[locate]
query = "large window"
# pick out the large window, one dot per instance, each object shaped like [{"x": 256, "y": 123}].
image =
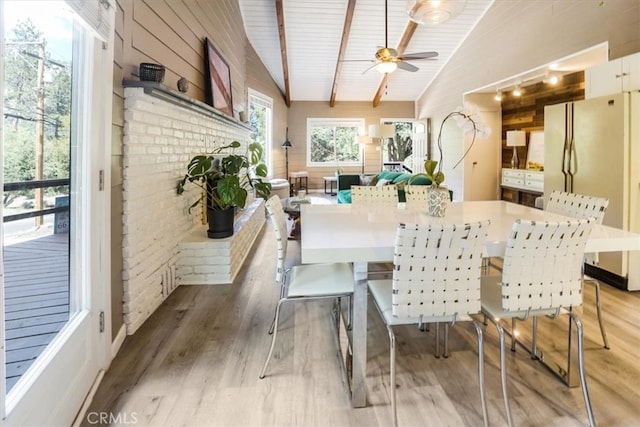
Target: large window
[
  {"x": 400, "y": 147},
  {"x": 260, "y": 118},
  {"x": 333, "y": 142}
]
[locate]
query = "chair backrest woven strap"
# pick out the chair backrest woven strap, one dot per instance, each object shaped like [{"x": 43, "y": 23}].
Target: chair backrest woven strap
[
  {"x": 416, "y": 195},
  {"x": 542, "y": 265},
  {"x": 577, "y": 205},
  {"x": 372, "y": 195},
  {"x": 276, "y": 214},
  {"x": 581, "y": 207},
  {"x": 437, "y": 269}
]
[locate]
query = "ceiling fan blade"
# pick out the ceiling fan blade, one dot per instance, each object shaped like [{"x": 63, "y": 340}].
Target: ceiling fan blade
[
  {"x": 406, "y": 66},
  {"x": 420, "y": 55},
  {"x": 357, "y": 60},
  {"x": 370, "y": 68}
]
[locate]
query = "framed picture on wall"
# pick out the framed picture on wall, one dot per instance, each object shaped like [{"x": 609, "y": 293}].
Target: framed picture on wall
[{"x": 219, "y": 80}]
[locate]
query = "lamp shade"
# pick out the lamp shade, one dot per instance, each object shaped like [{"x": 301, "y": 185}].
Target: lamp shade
[
  {"x": 287, "y": 143},
  {"x": 387, "y": 131},
  {"x": 516, "y": 138}
]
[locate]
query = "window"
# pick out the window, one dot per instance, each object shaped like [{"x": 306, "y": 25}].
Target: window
[
  {"x": 261, "y": 119},
  {"x": 400, "y": 148},
  {"x": 333, "y": 142}
]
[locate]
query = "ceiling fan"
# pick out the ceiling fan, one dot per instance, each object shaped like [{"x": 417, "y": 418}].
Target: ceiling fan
[{"x": 387, "y": 58}]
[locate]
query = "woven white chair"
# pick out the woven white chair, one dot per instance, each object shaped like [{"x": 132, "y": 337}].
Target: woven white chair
[
  {"x": 373, "y": 195},
  {"x": 416, "y": 195},
  {"x": 583, "y": 207},
  {"x": 436, "y": 278},
  {"x": 303, "y": 282},
  {"x": 541, "y": 274}
]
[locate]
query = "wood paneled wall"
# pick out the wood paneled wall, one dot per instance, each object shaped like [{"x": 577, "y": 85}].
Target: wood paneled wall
[
  {"x": 526, "y": 112},
  {"x": 172, "y": 33},
  {"x": 300, "y": 111}
]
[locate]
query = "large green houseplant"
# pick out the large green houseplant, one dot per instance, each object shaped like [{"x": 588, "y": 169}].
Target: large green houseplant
[{"x": 225, "y": 178}]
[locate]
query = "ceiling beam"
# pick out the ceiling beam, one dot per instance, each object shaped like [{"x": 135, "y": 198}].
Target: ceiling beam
[
  {"x": 283, "y": 52},
  {"x": 402, "y": 46},
  {"x": 346, "y": 30}
]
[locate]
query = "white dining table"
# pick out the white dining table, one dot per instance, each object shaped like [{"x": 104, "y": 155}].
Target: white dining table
[{"x": 366, "y": 234}]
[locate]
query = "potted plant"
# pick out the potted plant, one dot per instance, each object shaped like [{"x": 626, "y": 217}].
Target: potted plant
[
  {"x": 224, "y": 178},
  {"x": 438, "y": 195}
]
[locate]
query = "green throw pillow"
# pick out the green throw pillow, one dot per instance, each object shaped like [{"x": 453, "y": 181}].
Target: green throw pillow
[
  {"x": 388, "y": 175},
  {"x": 421, "y": 180},
  {"x": 404, "y": 177}
]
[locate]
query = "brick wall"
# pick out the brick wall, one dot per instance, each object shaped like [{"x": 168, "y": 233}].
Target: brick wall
[{"x": 160, "y": 138}]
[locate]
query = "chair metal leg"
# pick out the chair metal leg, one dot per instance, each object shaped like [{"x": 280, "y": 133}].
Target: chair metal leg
[
  {"x": 273, "y": 337},
  {"x": 437, "y": 340},
  {"x": 503, "y": 373},
  {"x": 513, "y": 334},
  {"x": 483, "y": 401},
  {"x": 446, "y": 340},
  {"x": 534, "y": 337},
  {"x": 392, "y": 381},
  {"x": 583, "y": 377},
  {"x": 273, "y": 322},
  {"x": 599, "y": 312}
]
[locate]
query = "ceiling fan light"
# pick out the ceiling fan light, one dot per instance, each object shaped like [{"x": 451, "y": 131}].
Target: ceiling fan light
[
  {"x": 433, "y": 11},
  {"x": 386, "y": 67}
]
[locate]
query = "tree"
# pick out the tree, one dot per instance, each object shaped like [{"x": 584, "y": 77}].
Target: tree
[{"x": 21, "y": 85}]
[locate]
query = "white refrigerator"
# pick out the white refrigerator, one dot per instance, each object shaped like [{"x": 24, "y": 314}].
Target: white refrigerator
[{"x": 592, "y": 147}]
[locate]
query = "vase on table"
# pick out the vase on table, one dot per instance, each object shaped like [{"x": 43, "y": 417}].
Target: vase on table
[{"x": 437, "y": 200}]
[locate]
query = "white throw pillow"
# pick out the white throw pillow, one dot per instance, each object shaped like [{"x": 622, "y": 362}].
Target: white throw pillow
[{"x": 382, "y": 182}]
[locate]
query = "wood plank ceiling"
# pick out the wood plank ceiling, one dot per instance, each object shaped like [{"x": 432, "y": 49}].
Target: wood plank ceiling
[{"x": 317, "y": 51}]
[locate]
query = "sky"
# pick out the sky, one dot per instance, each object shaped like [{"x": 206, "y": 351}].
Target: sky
[{"x": 51, "y": 17}]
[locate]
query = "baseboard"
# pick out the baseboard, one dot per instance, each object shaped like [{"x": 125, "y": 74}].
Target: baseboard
[
  {"x": 118, "y": 340},
  {"x": 80, "y": 418},
  {"x": 605, "y": 276}
]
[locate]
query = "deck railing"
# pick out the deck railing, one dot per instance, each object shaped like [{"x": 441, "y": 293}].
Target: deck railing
[{"x": 31, "y": 185}]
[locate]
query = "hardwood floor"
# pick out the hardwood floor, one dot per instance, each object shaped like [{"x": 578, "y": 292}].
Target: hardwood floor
[{"x": 196, "y": 362}]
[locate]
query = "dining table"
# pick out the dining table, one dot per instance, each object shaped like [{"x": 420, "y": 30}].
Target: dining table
[{"x": 365, "y": 234}]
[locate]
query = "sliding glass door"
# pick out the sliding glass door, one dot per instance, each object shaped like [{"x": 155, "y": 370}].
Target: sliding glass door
[{"x": 53, "y": 287}]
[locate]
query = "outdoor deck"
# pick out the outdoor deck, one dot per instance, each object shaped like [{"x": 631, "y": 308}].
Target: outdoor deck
[{"x": 36, "y": 298}]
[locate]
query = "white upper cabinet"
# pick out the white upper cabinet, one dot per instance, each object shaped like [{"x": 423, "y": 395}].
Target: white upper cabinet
[{"x": 619, "y": 75}]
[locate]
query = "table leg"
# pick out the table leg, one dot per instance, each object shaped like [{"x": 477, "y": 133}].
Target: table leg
[{"x": 359, "y": 336}]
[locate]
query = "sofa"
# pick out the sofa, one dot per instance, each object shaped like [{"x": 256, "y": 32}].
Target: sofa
[{"x": 399, "y": 178}]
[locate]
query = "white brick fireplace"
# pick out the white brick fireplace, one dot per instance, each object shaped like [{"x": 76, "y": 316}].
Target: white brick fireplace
[{"x": 163, "y": 131}]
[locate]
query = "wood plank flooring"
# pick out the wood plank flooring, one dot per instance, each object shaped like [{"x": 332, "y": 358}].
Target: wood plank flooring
[
  {"x": 196, "y": 362},
  {"x": 36, "y": 288}
]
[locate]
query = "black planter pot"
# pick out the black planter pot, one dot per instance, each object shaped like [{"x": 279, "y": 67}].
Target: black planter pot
[{"x": 220, "y": 223}]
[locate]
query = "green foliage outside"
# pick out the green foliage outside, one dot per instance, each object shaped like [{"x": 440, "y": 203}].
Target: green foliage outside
[
  {"x": 258, "y": 121},
  {"x": 400, "y": 148},
  {"x": 21, "y": 115},
  {"x": 334, "y": 144}
]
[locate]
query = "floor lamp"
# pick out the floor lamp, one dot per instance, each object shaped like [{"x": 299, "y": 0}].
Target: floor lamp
[
  {"x": 286, "y": 145},
  {"x": 382, "y": 132},
  {"x": 362, "y": 141}
]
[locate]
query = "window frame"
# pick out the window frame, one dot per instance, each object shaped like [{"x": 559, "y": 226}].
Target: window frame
[
  {"x": 358, "y": 123},
  {"x": 253, "y": 96}
]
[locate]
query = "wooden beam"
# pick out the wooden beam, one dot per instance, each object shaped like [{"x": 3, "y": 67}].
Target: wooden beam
[
  {"x": 283, "y": 52},
  {"x": 402, "y": 46},
  {"x": 346, "y": 30}
]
